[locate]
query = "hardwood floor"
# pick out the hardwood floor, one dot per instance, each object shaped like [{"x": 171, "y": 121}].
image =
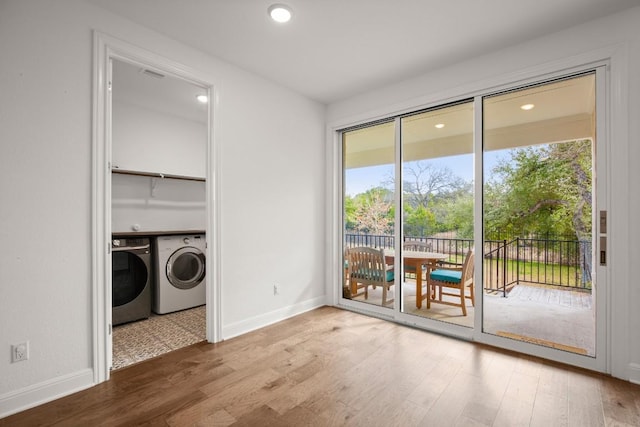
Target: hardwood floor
[{"x": 332, "y": 367}]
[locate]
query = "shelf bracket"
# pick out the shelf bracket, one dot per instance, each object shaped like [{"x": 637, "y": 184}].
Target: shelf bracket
[{"x": 154, "y": 184}]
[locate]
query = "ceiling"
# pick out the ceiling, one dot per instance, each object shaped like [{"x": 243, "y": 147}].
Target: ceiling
[
  {"x": 335, "y": 49},
  {"x": 560, "y": 111},
  {"x": 153, "y": 90}
]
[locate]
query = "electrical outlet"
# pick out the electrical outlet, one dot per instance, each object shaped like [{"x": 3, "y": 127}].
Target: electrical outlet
[{"x": 20, "y": 352}]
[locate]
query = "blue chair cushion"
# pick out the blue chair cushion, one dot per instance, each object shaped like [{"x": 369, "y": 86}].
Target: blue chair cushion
[
  {"x": 367, "y": 273},
  {"x": 446, "y": 276}
]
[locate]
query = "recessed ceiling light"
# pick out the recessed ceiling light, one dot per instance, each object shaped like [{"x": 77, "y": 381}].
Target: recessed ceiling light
[
  {"x": 202, "y": 99},
  {"x": 440, "y": 125},
  {"x": 527, "y": 107},
  {"x": 280, "y": 13}
]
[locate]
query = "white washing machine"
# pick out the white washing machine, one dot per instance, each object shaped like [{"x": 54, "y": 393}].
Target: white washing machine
[{"x": 180, "y": 263}]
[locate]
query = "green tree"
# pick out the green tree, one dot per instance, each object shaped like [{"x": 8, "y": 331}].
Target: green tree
[
  {"x": 460, "y": 214},
  {"x": 541, "y": 189},
  {"x": 349, "y": 213},
  {"x": 418, "y": 221}
]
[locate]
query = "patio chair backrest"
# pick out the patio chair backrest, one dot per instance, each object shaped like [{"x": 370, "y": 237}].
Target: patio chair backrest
[
  {"x": 366, "y": 265},
  {"x": 416, "y": 245},
  {"x": 467, "y": 268}
]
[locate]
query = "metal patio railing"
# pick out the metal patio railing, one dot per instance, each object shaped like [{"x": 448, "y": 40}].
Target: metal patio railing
[{"x": 564, "y": 263}]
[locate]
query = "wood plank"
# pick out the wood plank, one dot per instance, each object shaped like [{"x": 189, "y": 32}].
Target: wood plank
[
  {"x": 621, "y": 402},
  {"x": 585, "y": 401},
  {"x": 332, "y": 367}
]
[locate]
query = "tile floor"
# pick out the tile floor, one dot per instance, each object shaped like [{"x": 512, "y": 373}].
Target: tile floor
[{"x": 137, "y": 341}]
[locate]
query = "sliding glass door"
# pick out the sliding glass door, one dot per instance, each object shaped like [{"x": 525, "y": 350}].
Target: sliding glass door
[
  {"x": 368, "y": 216},
  {"x": 478, "y": 218},
  {"x": 539, "y": 200},
  {"x": 437, "y": 212}
]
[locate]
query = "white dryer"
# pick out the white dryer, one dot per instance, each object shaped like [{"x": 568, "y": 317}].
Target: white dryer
[{"x": 180, "y": 263}]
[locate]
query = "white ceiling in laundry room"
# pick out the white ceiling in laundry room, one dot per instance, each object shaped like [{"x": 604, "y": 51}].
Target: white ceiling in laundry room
[{"x": 151, "y": 89}]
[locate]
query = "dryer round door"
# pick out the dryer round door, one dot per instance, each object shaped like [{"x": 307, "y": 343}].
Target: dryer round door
[
  {"x": 129, "y": 277},
  {"x": 185, "y": 268}
]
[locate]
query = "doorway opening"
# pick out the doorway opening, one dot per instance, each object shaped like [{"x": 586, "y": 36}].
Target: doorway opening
[
  {"x": 153, "y": 177},
  {"x": 158, "y": 207}
]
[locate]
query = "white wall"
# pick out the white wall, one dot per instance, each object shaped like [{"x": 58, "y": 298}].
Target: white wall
[
  {"x": 148, "y": 140},
  {"x": 617, "y": 32},
  {"x": 155, "y": 204},
  {"x": 152, "y": 141},
  {"x": 271, "y": 193}
]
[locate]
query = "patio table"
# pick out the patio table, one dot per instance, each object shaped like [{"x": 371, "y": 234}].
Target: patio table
[{"x": 417, "y": 259}]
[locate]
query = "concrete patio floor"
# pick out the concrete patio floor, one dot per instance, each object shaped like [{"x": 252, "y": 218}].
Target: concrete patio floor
[{"x": 543, "y": 315}]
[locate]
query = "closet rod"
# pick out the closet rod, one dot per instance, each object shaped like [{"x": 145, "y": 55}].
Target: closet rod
[{"x": 157, "y": 175}]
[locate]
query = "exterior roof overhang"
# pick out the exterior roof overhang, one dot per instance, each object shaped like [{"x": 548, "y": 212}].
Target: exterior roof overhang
[{"x": 564, "y": 111}]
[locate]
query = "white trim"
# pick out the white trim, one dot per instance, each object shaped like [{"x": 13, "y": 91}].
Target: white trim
[
  {"x": 478, "y": 217},
  {"x": 634, "y": 373},
  {"x": 214, "y": 223},
  {"x": 107, "y": 48},
  {"x": 398, "y": 229},
  {"x": 615, "y": 57},
  {"x": 619, "y": 219},
  {"x": 266, "y": 319},
  {"x": 601, "y": 201},
  {"x": 100, "y": 316},
  {"x": 334, "y": 254},
  {"x": 37, "y": 394},
  {"x": 438, "y": 326},
  {"x": 481, "y": 87}
]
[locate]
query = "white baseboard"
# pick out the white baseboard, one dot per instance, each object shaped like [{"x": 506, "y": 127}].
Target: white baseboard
[
  {"x": 634, "y": 373},
  {"x": 257, "y": 322},
  {"x": 46, "y": 391}
]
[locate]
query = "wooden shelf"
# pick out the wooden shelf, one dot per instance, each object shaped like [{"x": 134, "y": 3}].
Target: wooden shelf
[{"x": 157, "y": 175}]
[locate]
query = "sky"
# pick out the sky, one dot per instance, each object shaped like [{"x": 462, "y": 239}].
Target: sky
[{"x": 359, "y": 180}]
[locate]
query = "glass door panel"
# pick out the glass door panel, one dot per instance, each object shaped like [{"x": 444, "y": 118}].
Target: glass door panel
[
  {"x": 437, "y": 214},
  {"x": 368, "y": 217},
  {"x": 539, "y": 198}
]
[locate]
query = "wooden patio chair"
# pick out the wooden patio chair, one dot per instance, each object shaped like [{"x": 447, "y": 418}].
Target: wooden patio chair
[
  {"x": 457, "y": 278},
  {"x": 367, "y": 268},
  {"x": 346, "y": 293},
  {"x": 416, "y": 245}
]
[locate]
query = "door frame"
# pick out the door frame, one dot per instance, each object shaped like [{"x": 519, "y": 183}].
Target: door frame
[
  {"x": 613, "y": 347},
  {"x": 106, "y": 49},
  {"x": 601, "y": 196}
]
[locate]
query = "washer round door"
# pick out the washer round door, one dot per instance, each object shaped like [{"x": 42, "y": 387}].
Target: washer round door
[
  {"x": 129, "y": 277},
  {"x": 185, "y": 268}
]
